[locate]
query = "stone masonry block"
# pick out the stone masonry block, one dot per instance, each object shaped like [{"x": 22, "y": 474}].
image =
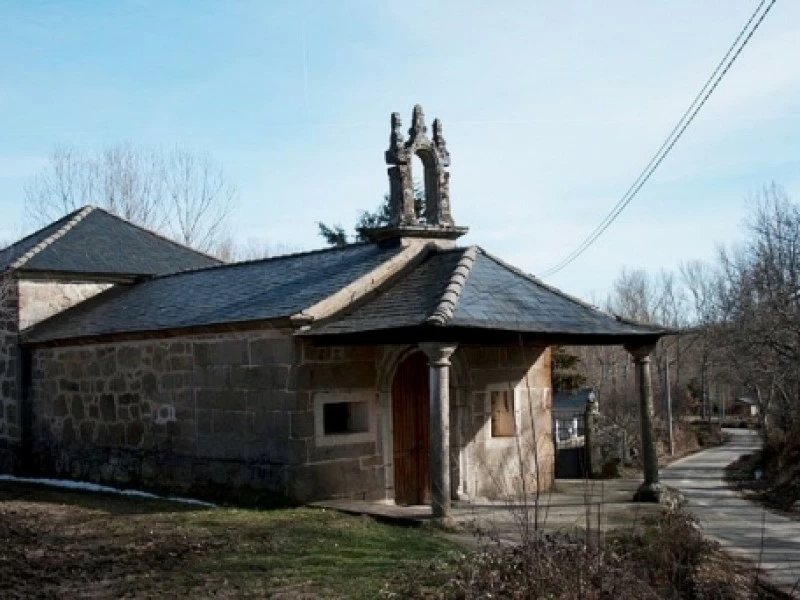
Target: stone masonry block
[
  {"x": 77, "y": 408},
  {"x": 339, "y": 478},
  {"x": 270, "y": 425},
  {"x": 108, "y": 408},
  {"x": 204, "y": 423},
  {"x": 221, "y": 352},
  {"x": 302, "y": 425},
  {"x": 232, "y": 423},
  {"x": 345, "y": 451},
  {"x": 212, "y": 377},
  {"x": 272, "y": 351},
  {"x": 60, "y": 406},
  {"x": 221, "y": 400},
  {"x": 129, "y": 357},
  {"x": 332, "y": 376}
]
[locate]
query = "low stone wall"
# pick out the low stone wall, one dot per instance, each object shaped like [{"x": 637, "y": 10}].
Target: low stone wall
[{"x": 174, "y": 413}]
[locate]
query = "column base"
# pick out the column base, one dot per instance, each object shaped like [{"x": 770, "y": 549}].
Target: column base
[
  {"x": 658, "y": 493},
  {"x": 447, "y": 523}
]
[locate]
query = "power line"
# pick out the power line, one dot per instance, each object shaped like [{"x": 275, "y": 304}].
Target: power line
[{"x": 683, "y": 123}]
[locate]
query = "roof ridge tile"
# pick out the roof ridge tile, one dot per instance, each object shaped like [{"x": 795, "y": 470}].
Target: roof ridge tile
[
  {"x": 48, "y": 241},
  {"x": 447, "y": 303}
]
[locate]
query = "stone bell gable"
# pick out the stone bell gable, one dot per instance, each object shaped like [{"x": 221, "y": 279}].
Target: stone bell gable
[{"x": 437, "y": 220}]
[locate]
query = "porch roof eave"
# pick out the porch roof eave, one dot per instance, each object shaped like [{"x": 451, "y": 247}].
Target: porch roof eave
[{"x": 486, "y": 336}]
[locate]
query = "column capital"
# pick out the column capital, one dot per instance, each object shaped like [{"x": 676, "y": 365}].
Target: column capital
[
  {"x": 438, "y": 354},
  {"x": 640, "y": 353}
]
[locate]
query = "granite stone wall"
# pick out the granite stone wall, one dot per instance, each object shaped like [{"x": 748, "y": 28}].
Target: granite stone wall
[
  {"x": 503, "y": 467},
  {"x": 246, "y": 409},
  {"x": 10, "y": 434},
  {"x": 175, "y": 413},
  {"x": 342, "y": 465}
]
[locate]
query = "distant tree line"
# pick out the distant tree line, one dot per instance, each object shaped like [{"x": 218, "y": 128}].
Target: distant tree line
[
  {"x": 737, "y": 320},
  {"x": 183, "y": 194}
]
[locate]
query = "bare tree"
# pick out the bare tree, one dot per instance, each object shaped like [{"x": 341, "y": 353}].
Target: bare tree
[
  {"x": 758, "y": 309},
  {"x": 200, "y": 198},
  {"x": 177, "y": 192},
  {"x": 231, "y": 250}
]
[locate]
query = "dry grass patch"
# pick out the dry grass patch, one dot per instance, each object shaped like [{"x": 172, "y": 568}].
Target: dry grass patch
[{"x": 62, "y": 544}]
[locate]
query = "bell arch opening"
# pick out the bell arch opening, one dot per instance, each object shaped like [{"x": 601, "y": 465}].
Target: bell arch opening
[{"x": 422, "y": 186}]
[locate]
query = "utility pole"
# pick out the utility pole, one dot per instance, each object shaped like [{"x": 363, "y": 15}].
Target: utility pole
[
  {"x": 703, "y": 394},
  {"x": 708, "y": 393},
  {"x": 668, "y": 401}
]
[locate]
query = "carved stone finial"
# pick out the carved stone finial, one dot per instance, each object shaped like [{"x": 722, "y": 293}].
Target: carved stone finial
[
  {"x": 397, "y": 132},
  {"x": 418, "y": 127},
  {"x": 439, "y": 143}
]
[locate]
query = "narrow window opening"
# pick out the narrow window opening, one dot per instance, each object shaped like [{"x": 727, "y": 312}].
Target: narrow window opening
[
  {"x": 503, "y": 421},
  {"x": 345, "y": 417},
  {"x": 419, "y": 173}
]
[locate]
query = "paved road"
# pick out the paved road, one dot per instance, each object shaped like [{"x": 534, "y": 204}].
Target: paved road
[{"x": 737, "y": 523}]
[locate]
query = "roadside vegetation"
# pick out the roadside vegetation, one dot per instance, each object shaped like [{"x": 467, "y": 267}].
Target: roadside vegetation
[
  {"x": 666, "y": 558},
  {"x": 777, "y": 488}
]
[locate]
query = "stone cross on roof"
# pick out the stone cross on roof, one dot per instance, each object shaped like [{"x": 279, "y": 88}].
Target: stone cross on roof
[{"x": 437, "y": 221}]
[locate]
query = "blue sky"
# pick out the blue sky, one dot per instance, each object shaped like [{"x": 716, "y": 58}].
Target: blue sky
[{"x": 549, "y": 111}]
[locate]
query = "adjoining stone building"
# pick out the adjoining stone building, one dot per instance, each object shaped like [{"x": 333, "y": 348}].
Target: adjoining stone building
[
  {"x": 69, "y": 261},
  {"x": 405, "y": 369}
]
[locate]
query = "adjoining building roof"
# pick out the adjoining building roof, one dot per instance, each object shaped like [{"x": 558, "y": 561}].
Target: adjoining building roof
[
  {"x": 571, "y": 402},
  {"x": 469, "y": 288},
  {"x": 93, "y": 241},
  {"x": 234, "y": 293}
]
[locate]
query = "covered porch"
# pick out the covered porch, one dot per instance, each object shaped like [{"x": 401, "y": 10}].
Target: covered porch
[{"x": 449, "y": 309}]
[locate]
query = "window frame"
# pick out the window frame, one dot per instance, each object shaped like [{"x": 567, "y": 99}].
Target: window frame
[
  {"x": 515, "y": 397},
  {"x": 337, "y": 439}
]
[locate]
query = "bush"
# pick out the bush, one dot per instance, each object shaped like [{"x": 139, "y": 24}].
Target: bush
[
  {"x": 667, "y": 558},
  {"x": 669, "y": 552}
]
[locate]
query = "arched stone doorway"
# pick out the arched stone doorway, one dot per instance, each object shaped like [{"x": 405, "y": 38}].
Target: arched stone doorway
[{"x": 411, "y": 431}]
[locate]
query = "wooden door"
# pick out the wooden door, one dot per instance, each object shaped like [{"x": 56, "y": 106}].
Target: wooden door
[{"x": 411, "y": 425}]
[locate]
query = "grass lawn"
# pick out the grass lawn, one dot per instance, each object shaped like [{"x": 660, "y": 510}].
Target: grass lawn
[{"x": 65, "y": 544}]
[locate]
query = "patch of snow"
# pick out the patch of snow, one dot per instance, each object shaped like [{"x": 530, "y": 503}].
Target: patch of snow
[{"x": 84, "y": 486}]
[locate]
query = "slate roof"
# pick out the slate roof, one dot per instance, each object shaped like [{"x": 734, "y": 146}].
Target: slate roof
[
  {"x": 463, "y": 288},
  {"x": 469, "y": 288},
  {"x": 240, "y": 292},
  {"x": 571, "y": 402},
  {"x": 93, "y": 241}
]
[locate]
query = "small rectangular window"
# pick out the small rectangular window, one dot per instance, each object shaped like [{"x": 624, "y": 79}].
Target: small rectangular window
[
  {"x": 345, "y": 417},
  {"x": 503, "y": 421}
]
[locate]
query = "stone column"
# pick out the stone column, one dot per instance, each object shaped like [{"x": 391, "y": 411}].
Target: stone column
[
  {"x": 650, "y": 490},
  {"x": 439, "y": 358}
]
